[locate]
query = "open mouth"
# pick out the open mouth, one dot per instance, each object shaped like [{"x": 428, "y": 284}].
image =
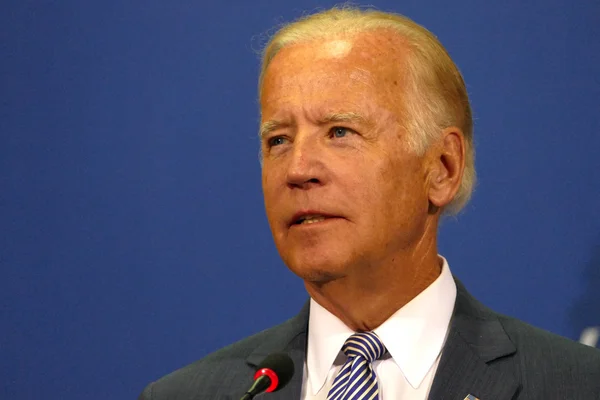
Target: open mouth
[{"x": 309, "y": 219}]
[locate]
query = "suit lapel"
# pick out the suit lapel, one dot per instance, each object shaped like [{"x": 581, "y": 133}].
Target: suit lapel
[
  {"x": 475, "y": 339},
  {"x": 291, "y": 340},
  {"x": 293, "y": 389}
]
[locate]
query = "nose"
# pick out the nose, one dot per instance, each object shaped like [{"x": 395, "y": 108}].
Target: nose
[{"x": 305, "y": 168}]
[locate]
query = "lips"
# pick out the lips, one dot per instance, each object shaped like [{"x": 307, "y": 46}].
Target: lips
[{"x": 309, "y": 217}]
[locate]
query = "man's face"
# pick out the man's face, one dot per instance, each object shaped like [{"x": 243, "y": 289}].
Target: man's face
[{"x": 342, "y": 190}]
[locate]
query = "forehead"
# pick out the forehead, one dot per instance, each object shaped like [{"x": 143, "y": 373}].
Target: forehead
[{"x": 366, "y": 67}]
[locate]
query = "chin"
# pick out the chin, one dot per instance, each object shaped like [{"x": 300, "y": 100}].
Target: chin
[
  {"x": 318, "y": 276},
  {"x": 317, "y": 271}
]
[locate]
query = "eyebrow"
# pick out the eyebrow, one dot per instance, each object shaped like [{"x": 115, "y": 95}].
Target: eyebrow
[
  {"x": 271, "y": 125},
  {"x": 342, "y": 117},
  {"x": 268, "y": 127}
]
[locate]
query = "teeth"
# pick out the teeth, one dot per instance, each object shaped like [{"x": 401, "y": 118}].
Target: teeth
[{"x": 312, "y": 219}]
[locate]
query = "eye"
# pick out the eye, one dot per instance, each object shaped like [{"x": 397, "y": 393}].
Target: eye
[
  {"x": 276, "y": 141},
  {"x": 339, "y": 131}
]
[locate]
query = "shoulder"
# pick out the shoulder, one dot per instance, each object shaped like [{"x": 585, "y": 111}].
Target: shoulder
[
  {"x": 217, "y": 372},
  {"x": 545, "y": 365},
  {"x": 549, "y": 365},
  {"x": 206, "y": 374},
  {"x": 555, "y": 351},
  {"x": 532, "y": 343}
]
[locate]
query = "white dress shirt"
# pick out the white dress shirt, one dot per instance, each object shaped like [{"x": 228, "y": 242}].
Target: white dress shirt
[{"x": 414, "y": 337}]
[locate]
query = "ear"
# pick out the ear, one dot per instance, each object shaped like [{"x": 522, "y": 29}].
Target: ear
[{"x": 447, "y": 166}]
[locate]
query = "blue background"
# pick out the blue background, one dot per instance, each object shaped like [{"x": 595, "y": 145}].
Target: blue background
[{"x": 132, "y": 232}]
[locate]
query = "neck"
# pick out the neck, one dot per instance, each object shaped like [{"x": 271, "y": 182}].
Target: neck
[{"x": 364, "y": 301}]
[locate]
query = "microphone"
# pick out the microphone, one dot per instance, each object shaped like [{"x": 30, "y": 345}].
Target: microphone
[{"x": 274, "y": 372}]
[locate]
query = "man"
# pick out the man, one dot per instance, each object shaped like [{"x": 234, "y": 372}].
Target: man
[{"x": 366, "y": 136}]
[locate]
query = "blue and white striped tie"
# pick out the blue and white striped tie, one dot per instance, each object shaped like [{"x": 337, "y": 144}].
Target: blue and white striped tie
[{"x": 357, "y": 380}]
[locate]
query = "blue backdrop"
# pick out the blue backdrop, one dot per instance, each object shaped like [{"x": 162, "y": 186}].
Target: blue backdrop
[{"x": 132, "y": 232}]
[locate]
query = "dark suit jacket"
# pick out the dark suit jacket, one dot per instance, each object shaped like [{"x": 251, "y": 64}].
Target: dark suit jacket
[{"x": 488, "y": 355}]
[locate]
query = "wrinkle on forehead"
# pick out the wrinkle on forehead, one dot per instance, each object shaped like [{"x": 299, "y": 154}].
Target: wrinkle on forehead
[
  {"x": 294, "y": 87},
  {"x": 371, "y": 63}
]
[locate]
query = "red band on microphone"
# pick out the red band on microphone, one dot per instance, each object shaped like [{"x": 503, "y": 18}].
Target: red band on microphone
[{"x": 268, "y": 372}]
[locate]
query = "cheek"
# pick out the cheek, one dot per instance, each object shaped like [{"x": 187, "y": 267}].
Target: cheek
[
  {"x": 273, "y": 195},
  {"x": 270, "y": 182},
  {"x": 399, "y": 187}
]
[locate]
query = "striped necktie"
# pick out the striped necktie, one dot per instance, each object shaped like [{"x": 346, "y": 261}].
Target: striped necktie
[{"x": 357, "y": 380}]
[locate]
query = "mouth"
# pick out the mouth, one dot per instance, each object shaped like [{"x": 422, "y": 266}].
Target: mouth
[{"x": 308, "y": 218}]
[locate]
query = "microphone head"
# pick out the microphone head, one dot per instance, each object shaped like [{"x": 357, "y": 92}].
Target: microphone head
[{"x": 281, "y": 365}]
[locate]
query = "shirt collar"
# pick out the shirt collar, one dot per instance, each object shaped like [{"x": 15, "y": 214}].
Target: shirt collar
[{"x": 414, "y": 335}]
